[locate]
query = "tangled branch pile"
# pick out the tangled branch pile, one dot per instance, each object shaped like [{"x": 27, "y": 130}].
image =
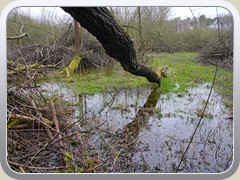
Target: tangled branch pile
[
  {"x": 41, "y": 133},
  {"x": 29, "y": 124},
  {"x": 40, "y": 129},
  {"x": 40, "y": 55},
  {"x": 219, "y": 53},
  {"x": 56, "y": 55}
]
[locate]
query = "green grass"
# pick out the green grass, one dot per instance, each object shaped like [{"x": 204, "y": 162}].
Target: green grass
[
  {"x": 182, "y": 71},
  {"x": 104, "y": 80}
]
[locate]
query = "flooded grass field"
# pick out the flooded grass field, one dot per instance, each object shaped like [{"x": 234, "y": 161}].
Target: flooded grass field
[
  {"x": 143, "y": 130},
  {"x": 109, "y": 121}
]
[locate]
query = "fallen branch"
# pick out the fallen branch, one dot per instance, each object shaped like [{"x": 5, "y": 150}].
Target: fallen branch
[
  {"x": 16, "y": 37},
  {"x": 74, "y": 64},
  {"x": 35, "y": 66},
  {"x": 21, "y": 117},
  {"x": 17, "y": 121},
  {"x": 55, "y": 120},
  {"x": 19, "y": 126}
]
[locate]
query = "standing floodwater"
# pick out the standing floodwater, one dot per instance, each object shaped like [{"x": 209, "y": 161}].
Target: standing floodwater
[{"x": 147, "y": 131}]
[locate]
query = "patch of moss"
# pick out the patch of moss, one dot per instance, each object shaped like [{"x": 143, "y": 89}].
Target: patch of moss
[{"x": 13, "y": 122}]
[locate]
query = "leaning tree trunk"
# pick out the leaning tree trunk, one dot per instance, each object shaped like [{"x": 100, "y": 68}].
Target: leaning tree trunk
[{"x": 100, "y": 23}]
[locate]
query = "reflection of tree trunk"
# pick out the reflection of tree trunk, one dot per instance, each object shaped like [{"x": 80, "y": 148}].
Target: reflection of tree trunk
[
  {"x": 85, "y": 104},
  {"x": 127, "y": 139},
  {"x": 142, "y": 117},
  {"x": 80, "y": 104},
  {"x": 117, "y": 44}
]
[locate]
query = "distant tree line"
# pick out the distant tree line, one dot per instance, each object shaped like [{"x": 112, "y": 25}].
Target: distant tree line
[
  {"x": 150, "y": 28},
  {"x": 153, "y": 30}
]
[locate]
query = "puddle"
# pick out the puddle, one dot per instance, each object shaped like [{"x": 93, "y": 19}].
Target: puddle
[{"x": 153, "y": 129}]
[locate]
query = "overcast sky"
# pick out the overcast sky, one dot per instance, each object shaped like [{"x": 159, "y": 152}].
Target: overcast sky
[
  {"x": 182, "y": 12},
  {"x": 185, "y": 12}
]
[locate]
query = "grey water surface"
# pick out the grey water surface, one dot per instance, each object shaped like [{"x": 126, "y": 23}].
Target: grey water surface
[{"x": 157, "y": 128}]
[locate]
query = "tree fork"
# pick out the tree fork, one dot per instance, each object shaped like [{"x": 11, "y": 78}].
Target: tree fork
[{"x": 100, "y": 22}]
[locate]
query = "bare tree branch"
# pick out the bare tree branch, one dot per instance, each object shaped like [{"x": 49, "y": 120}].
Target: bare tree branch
[{"x": 16, "y": 37}]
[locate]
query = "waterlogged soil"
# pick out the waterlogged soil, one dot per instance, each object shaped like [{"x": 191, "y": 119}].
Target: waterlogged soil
[{"x": 142, "y": 130}]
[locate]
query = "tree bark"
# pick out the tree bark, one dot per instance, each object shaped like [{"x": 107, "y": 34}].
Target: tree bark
[{"x": 100, "y": 23}]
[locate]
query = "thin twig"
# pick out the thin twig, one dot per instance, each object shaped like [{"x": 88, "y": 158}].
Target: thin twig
[
  {"x": 37, "y": 168},
  {"x": 200, "y": 120}
]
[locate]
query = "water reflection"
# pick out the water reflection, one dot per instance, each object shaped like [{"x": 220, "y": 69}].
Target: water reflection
[
  {"x": 150, "y": 130},
  {"x": 129, "y": 134},
  {"x": 144, "y": 113}
]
